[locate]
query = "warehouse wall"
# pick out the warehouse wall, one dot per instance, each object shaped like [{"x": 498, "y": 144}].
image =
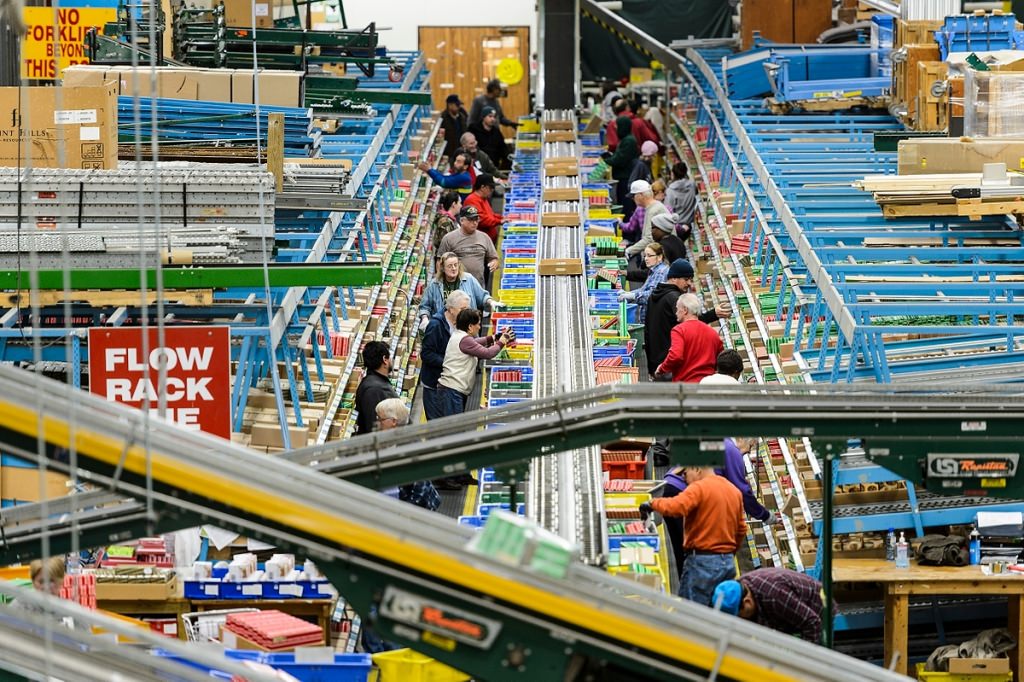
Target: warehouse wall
[{"x": 404, "y": 17}]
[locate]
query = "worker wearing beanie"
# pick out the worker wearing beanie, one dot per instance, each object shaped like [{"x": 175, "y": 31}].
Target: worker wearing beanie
[
  {"x": 642, "y": 166},
  {"x": 712, "y": 512},
  {"x": 778, "y": 598}
]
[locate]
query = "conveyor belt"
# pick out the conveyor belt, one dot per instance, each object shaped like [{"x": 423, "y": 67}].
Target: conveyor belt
[
  {"x": 397, "y": 558},
  {"x": 926, "y": 502}
]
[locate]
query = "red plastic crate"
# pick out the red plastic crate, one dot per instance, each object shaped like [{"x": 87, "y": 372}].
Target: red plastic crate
[{"x": 630, "y": 470}]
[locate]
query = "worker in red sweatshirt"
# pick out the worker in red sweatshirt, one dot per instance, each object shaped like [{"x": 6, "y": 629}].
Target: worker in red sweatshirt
[
  {"x": 480, "y": 198},
  {"x": 695, "y": 345}
]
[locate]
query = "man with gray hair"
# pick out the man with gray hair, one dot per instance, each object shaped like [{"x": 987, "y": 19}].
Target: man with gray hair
[
  {"x": 478, "y": 159},
  {"x": 391, "y": 414},
  {"x": 432, "y": 350},
  {"x": 695, "y": 345}
]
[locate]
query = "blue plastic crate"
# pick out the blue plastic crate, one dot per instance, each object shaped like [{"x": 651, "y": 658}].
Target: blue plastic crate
[
  {"x": 213, "y": 673},
  {"x": 615, "y": 541},
  {"x": 345, "y": 668},
  {"x": 472, "y": 521}
]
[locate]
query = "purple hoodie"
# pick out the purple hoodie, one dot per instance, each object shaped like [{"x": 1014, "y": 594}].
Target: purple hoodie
[
  {"x": 736, "y": 473},
  {"x": 632, "y": 229}
]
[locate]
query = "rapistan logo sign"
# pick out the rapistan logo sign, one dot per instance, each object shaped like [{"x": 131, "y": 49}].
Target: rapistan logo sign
[
  {"x": 198, "y": 369},
  {"x": 947, "y": 465},
  {"x": 427, "y": 614}
]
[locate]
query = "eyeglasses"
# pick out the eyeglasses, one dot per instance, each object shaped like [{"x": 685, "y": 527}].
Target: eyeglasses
[{"x": 650, "y": 255}]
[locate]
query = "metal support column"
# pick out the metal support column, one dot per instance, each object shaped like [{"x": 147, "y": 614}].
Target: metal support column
[
  {"x": 559, "y": 73},
  {"x": 828, "y": 474}
]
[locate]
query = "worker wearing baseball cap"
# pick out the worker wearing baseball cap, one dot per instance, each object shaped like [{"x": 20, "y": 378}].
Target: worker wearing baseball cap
[
  {"x": 643, "y": 195},
  {"x": 480, "y": 198},
  {"x": 778, "y": 598},
  {"x": 454, "y": 123}
]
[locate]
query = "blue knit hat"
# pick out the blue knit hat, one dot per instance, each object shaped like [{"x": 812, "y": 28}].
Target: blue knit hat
[{"x": 730, "y": 592}]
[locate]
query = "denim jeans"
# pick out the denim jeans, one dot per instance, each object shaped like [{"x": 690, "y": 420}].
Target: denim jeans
[
  {"x": 453, "y": 401},
  {"x": 702, "y": 573},
  {"x": 433, "y": 405}
]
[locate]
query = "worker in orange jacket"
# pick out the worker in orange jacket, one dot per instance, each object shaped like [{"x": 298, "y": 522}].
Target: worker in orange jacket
[{"x": 483, "y": 189}]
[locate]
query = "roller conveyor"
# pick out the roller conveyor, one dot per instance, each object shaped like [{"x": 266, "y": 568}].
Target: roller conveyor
[{"x": 398, "y": 558}]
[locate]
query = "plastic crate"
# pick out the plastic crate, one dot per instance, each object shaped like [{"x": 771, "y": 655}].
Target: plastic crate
[
  {"x": 406, "y": 665},
  {"x": 628, "y": 470},
  {"x": 959, "y": 677},
  {"x": 653, "y": 541},
  {"x": 345, "y": 668}
]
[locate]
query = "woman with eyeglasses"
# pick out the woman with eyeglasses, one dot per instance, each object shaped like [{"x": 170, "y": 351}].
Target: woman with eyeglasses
[
  {"x": 657, "y": 268},
  {"x": 451, "y": 275}
]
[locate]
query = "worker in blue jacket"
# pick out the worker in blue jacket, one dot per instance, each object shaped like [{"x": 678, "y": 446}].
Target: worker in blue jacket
[
  {"x": 435, "y": 343},
  {"x": 460, "y": 174}
]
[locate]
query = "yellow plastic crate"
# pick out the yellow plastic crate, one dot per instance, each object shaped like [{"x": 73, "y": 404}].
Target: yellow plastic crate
[
  {"x": 959, "y": 677},
  {"x": 623, "y": 500},
  {"x": 406, "y": 665}
]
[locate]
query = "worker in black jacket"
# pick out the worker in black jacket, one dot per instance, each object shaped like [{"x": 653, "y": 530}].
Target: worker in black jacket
[
  {"x": 375, "y": 386},
  {"x": 432, "y": 350},
  {"x": 661, "y": 312}
]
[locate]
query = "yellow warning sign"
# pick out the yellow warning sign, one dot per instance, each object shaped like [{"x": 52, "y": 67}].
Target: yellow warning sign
[{"x": 56, "y": 38}]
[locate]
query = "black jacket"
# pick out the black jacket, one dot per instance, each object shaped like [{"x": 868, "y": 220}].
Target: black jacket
[
  {"x": 373, "y": 389},
  {"x": 454, "y": 127},
  {"x": 492, "y": 143},
  {"x": 661, "y": 318},
  {"x": 432, "y": 350},
  {"x": 673, "y": 247}
]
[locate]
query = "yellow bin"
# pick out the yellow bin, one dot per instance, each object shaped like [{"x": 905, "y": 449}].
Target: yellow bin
[
  {"x": 959, "y": 677},
  {"x": 406, "y": 665}
]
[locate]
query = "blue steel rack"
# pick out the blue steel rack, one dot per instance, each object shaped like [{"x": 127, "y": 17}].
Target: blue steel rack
[
  {"x": 857, "y": 291},
  {"x": 267, "y": 334}
]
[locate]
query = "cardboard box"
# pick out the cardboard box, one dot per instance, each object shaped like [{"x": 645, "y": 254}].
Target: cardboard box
[
  {"x": 22, "y": 484},
  {"x": 560, "y": 219},
  {"x": 277, "y": 88},
  {"x": 270, "y": 435},
  {"x": 128, "y": 591},
  {"x": 238, "y": 13},
  {"x": 979, "y": 666},
  {"x": 551, "y": 267},
  {"x": 957, "y": 155},
  {"x": 83, "y": 130}
]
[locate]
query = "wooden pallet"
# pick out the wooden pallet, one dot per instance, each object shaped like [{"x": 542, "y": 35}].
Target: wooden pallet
[{"x": 827, "y": 105}]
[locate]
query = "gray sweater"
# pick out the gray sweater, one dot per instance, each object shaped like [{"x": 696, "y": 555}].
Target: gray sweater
[{"x": 653, "y": 210}]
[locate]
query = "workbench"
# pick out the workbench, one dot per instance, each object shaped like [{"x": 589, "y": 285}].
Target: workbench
[
  {"x": 902, "y": 583},
  {"x": 321, "y": 609}
]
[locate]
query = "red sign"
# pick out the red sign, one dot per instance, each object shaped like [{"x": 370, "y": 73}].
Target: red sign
[{"x": 198, "y": 368}]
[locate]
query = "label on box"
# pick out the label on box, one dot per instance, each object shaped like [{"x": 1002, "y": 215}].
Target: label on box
[
  {"x": 262, "y": 9},
  {"x": 314, "y": 654},
  {"x": 294, "y": 590},
  {"x": 89, "y": 133},
  {"x": 74, "y": 116},
  {"x": 211, "y": 590},
  {"x": 228, "y": 639},
  {"x": 254, "y": 589}
]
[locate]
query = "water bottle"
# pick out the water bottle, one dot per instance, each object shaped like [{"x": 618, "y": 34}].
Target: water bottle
[
  {"x": 975, "y": 547},
  {"x": 890, "y": 545},
  {"x": 902, "y": 553}
]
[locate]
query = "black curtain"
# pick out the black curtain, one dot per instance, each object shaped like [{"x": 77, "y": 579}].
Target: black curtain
[{"x": 604, "y": 56}]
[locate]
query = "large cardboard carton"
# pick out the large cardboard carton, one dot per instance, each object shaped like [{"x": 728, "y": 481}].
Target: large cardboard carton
[
  {"x": 277, "y": 88},
  {"x": 238, "y": 13},
  {"x": 957, "y": 155},
  {"x": 19, "y": 484},
  {"x": 979, "y": 666},
  {"x": 59, "y": 127}
]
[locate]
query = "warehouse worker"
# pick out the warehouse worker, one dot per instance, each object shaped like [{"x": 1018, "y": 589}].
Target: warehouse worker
[
  {"x": 432, "y": 350},
  {"x": 778, "y": 598},
  {"x": 621, "y": 163},
  {"x": 663, "y": 228},
  {"x": 451, "y": 275},
  {"x": 478, "y": 159},
  {"x": 454, "y": 123},
  {"x": 375, "y": 386},
  {"x": 695, "y": 345},
  {"x": 681, "y": 199},
  {"x": 728, "y": 369},
  {"x": 391, "y": 414},
  {"x": 657, "y": 268},
  {"x": 661, "y": 312},
  {"x": 475, "y": 249},
  {"x": 490, "y": 99},
  {"x": 712, "y": 512},
  {"x": 460, "y": 173},
  {"x": 490, "y": 138},
  {"x": 458, "y": 375},
  {"x": 446, "y": 219},
  {"x": 643, "y": 196},
  {"x": 48, "y": 576},
  {"x": 480, "y": 198},
  {"x": 642, "y": 166}
]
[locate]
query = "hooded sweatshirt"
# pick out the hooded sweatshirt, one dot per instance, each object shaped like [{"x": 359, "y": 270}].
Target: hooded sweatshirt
[
  {"x": 621, "y": 162},
  {"x": 681, "y": 199}
]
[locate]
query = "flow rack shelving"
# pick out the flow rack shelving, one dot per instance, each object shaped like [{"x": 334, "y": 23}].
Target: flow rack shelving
[{"x": 278, "y": 332}]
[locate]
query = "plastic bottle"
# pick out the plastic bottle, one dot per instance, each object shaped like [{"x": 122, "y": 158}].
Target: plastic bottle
[
  {"x": 975, "y": 547},
  {"x": 902, "y": 553},
  {"x": 890, "y": 545}
]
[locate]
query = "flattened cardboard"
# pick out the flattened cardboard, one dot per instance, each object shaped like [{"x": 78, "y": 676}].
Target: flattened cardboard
[{"x": 957, "y": 155}]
